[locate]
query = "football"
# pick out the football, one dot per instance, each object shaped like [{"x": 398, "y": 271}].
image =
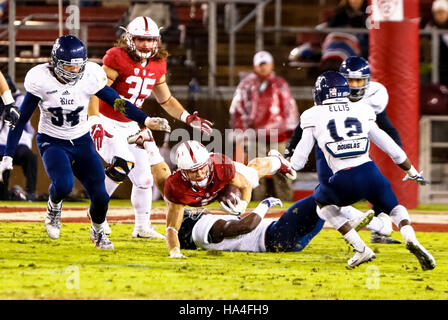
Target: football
[{"x": 229, "y": 192}]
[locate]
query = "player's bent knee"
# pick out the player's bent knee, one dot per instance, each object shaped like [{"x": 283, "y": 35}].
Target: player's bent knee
[
  {"x": 118, "y": 169},
  {"x": 398, "y": 214}
]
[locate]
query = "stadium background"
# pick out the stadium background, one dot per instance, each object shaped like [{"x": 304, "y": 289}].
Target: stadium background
[{"x": 190, "y": 66}]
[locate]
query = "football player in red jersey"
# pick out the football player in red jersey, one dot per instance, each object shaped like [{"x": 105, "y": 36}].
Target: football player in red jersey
[
  {"x": 136, "y": 66},
  {"x": 200, "y": 177}
]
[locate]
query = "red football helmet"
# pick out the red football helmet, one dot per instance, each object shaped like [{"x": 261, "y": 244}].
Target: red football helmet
[{"x": 143, "y": 28}]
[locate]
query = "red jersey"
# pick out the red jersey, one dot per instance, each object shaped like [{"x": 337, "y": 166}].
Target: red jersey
[
  {"x": 179, "y": 190},
  {"x": 134, "y": 82}
]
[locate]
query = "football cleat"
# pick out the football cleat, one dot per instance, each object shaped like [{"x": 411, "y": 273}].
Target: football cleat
[
  {"x": 427, "y": 261},
  {"x": 141, "y": 137},
  {"x": 285, "y": 166},
  {"x": 379, "y": 238},
  {"x": 100, "y": 239},
  {"x": 361, "y": 257},
  {"x": 106, "y": 227},
  {"x": 53, "y": 221},
  {"x": 146, "y": 232},
  {"x": 362, "y": 221}
]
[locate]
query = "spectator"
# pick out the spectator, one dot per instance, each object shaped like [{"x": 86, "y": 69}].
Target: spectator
[
  {"x": 440, "y": 21},
  {"x": 336, "y": 48},
  {"x": 263, "y": 101},
  {"x": 23, "y": 157},
  {"x": 352, "y": 14}
]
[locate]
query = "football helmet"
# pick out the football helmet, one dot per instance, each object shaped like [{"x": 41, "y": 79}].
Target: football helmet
[
  {"x": 143, "y": 27},
  {"x": 356, "y": 68},
  {"x": 191, "y": 156},
  {"x": 331, "y": 87},
  {"x": 68, "y": 51}
]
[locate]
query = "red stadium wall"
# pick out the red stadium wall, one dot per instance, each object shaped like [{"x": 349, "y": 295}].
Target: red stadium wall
[{"x": 394, "y": 62}]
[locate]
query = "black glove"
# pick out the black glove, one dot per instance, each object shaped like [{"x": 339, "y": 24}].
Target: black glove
[
  {"x": 12, "y": 115},
  {"x": 288, "y": 153}
]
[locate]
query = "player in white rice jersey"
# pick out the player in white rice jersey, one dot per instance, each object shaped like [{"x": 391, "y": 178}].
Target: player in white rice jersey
[
  {"x": 357, "y": 72},
  {"x": 62, "y": 90},
  {"x": 343, "y": 132}
]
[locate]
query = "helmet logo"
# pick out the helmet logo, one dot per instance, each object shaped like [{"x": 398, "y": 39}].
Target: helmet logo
[{"x": 333, "y": 92}]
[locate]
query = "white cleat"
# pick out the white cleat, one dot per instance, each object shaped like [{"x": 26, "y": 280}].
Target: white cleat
[
  {"x": 146, "y": 232},
  {"x": 361, "y": 257},
  {"x": 101, "y": 240},
  {"x": 363, "y": 220},
  {"x": 106, "y": 227},
  {"x": 53, "y": 222},
  {"x": 427, "y": 261},
  {"x": 285, "y": 166},
  {"x": 141, "y": 137}
]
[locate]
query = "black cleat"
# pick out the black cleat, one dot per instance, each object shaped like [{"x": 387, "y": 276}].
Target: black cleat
[
  {"x": 378, "y": 238},
  {"x": 426, "y": 260}
]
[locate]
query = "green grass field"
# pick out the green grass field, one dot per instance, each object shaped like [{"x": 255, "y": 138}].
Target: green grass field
[{"x": 32, "y": 266}]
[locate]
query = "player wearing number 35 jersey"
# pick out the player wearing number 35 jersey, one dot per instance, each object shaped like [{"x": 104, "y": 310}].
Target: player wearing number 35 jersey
[
  {"x": 62, "y": 90},
  {"x": 136, "y": 67},
  {"x": 343, "y": 131}
]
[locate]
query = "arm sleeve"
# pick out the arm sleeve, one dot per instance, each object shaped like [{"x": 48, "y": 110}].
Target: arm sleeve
[
  {"x": 385, "y": 124},
  {"x": 385, "y": 143},
  {"x": 27, "y": 108},
  {"x": 109, "y": 95},
  {"x": 296, "y": 136},
  {"x": 301, "y": 153}
]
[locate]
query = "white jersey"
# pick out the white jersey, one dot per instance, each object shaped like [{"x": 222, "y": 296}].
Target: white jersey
[
  {"x": 252, "y": 241},
  {"x": 63, "y": 107},
  {"x": 375, "y": 96},
  {"x": 341, "y": 131}
]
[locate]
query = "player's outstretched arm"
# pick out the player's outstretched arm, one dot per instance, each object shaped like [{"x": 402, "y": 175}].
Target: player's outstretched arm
[
  {"x": 6, "y": 95},
  {"x": 232, "y": 228},
  {"x": 398, "y": 156},
  {"x": 175, "y": 109},
  {"x": 173, "y": 223},
  {"x": 292, "y": 144},
  {"x": 111, "y": 97},
  {"x": 303, "y": 149}
]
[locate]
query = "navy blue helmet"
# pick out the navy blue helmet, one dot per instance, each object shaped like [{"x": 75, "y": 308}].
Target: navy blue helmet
[
  {"x": 356, "y": 68},
  {"x": 331, "y": 87},
  {"x": 68, "y": 51}
]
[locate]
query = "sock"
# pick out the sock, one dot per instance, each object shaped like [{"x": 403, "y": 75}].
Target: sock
[
  {"x": 55, "y": 205},
  {"x": 141, "y": 200},
  {"x": 98, "y": 227},
  {"x": 331, "y": 214},
  {"x": 355, "y": 240},
  {"x": 111, "y": 185},
  {"x": 408, "y": 233},
  {"x": 375, "y": 225},
  {"x": 275, "y": 164}
]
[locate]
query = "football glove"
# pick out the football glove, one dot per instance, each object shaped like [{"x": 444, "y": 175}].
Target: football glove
[
  {"x": 98, "y": 133},
  {"x": 236, "y": 210},
  {"x": 199, "y": 123},
  {"x": 12, "y": 115},
  {"x": 5, "y": 164},
  {"x": 271, "y": 202},
  {"x": 157, "y": 124},
  {"x": 176, "y": 254},
  {"x": 417, "y": 178}
]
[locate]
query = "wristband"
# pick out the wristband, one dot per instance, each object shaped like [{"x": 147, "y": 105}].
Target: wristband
[
  {"x": 171, "y": 228},
  {"x": 7, "y": 97},
  {"x": 261, "y": 210},
  {"x": 93, "y": 120},
  {"x": 183, "y": 116},
  {"x": 412, "y": 172}
]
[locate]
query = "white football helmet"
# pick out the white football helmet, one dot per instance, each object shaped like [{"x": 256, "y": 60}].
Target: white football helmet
[
  {"x": 143, "y": 27},
  {"x": 192, "y": 155}
]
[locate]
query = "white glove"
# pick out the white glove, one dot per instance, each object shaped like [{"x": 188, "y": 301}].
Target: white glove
[
  {"x": 5, "y": 164},
  {"x": 413, "y": 174},
  {"x": 176, "y": 254},
  {"x": 271, "y": 202},
  {"x": 237, "y": 209},
  {"x": 157, "y": 124}
]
